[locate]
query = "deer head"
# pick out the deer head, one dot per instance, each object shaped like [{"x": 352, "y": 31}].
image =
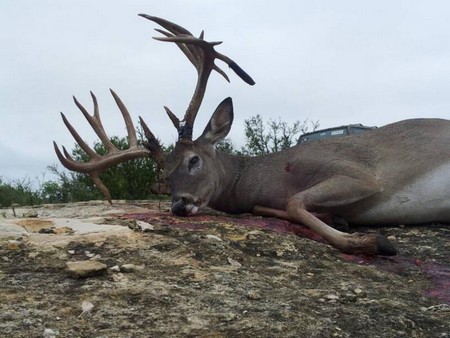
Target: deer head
[{"x": 189, "y": 168}]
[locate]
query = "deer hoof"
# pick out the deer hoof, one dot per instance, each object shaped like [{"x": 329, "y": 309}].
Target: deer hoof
[
  {"x": 385, "y": 247},
  {"x": 368, "y": 244}
]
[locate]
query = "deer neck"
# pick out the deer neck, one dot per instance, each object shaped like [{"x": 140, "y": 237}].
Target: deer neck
[{"x": 234, "y": 173}]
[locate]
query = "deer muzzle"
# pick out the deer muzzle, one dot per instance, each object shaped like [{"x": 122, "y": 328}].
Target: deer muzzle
[{"x": 183, "y": 208}]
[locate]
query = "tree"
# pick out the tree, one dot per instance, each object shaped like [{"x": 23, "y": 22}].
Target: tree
[
  {"x": 18, "y": 192},
  {"x": 70, "y": 187},
  {"x": 273, "y": 136}
]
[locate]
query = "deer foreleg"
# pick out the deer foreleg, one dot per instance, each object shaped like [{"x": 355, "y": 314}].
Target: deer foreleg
[
  {"x": 282, "y": 214},
  {"x": 335, "y": 192}
]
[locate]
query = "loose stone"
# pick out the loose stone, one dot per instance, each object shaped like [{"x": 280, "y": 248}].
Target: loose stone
[
  {"x": 85, "y": 269},
  {"x": 49, "y": 333},
  {"x": 131, "y": 268},
  {"x": 233, "y": 262},
  {"x": 14, "y": 245},
  {"x": 115, "y": 268}
]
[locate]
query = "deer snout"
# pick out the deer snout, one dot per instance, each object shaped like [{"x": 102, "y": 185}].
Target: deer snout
[{"x": 184, "y": 206}]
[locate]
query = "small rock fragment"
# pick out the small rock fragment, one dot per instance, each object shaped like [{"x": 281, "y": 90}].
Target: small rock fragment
[
  {"x": 46, "y": 231},
  {"x": 119, "y": 277},
  {"x": 227, "y": 317},
  {"x": 86, "y": 307},
  {"x": 253, "y": 295},
  {"x": 30, "y": 214},
  {"x": 351, "y": 297},
  {"x": 331, "y": 298},
  {"x": 131, "y": 268},
  {"x": 144, "y": 226},
  {"x": 63, "y": 230},
  {"x": 214, "y": 237},
  {"x": 115, "y": 268},
  {"x": 437, "y": 308},
  {"x": 138, "y": 226},
  {"x": 359, "y": 292},
  {"x": 49, "y": 333},
  {"x": 14, "y": 245},
  {"x": 233, "y": 262},
  {"x": 27, "y": 322},
  {"x": 85, "y": 269},
  {"x": 62, "y": 256}
]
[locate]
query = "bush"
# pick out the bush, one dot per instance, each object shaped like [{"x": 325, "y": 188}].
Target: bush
[{"x": 18, "y": 192}]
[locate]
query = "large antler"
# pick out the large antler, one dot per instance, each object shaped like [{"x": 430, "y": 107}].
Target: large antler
[
  {"x": 99, "y": 163},
  {"x": 202, "y": 55}
]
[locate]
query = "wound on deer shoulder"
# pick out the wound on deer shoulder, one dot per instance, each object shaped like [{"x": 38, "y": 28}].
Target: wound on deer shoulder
[{"x": 288, "y": 167}]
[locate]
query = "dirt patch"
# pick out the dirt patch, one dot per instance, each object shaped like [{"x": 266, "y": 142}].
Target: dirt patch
[
  {"x": 219, "y": 276},
  {"x": 34, "y": 224}
]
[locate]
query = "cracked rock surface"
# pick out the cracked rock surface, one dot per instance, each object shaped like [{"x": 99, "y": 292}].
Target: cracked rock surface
[{"x": 211, "y": 275}]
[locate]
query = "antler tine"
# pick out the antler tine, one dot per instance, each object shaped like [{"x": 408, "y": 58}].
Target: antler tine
[
  {"x": 91, "y": 153},
  {"x": 96, "y": 123},
  {"x": 66, "y": 160},
  {"x": 202, "y": 55},
  {"x": 175, "y": 30},
  {"x": 201, "y": 43},
  {"x": 153, "y": 144},
  {"x": 98, "y": 163},
  {"x": 172, "y": 117},
  {"x": 191, "y": 53},
  {"x": 170, "y": 26},
  {"x": 132, "y": 139},
  {"x": 101, "y": 186}
]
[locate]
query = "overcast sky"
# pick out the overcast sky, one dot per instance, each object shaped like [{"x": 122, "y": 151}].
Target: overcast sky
[{"x": 338, "y": 62}]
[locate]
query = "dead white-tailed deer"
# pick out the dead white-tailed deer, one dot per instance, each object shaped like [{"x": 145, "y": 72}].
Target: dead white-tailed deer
[{"x": 398, "y": 174}]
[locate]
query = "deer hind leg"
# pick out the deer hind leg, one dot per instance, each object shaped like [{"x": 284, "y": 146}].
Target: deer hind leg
[{"x": 337, "y": 192}]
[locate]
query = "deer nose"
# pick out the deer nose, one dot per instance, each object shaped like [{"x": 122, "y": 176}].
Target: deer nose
[
  {"x": 184, "y": 205},
  {"x": 179, "y": 203},
  {"x": 179, "y": 208}
]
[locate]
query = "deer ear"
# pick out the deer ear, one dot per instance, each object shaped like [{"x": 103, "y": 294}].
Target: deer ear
[{"x": 220, "y": 123}]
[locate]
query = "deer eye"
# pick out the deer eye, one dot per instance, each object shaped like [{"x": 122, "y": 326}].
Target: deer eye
[{"x": 193, "y": 162}]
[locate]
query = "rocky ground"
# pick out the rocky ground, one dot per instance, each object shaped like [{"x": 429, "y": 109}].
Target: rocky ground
[{"x": 134, "y": 270}]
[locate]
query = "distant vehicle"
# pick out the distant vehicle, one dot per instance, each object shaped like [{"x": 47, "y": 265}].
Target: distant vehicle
[{"x": 333, "y": 132}]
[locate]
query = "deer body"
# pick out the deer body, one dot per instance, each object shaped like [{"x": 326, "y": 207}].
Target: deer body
[
  {"x": 396, "y": 174},
  {"x": 407, "y": 191}
]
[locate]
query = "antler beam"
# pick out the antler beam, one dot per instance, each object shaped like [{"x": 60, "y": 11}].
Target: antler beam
[{"x": 202, "y": 55}]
